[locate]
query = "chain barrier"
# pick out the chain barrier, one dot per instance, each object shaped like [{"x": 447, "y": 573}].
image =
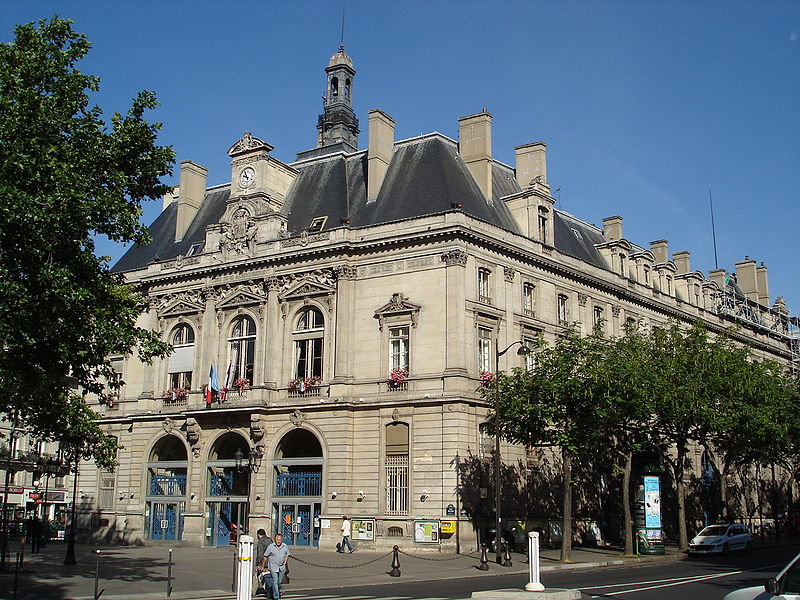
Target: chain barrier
[
  {"x": 456, "y": 557},
  {"x": 305, "y": 562}
]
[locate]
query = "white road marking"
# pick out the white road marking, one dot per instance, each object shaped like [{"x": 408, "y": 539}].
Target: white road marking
[{"x": 664, "y": 583}]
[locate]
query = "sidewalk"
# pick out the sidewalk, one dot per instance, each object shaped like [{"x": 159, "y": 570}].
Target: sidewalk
[{"x": 140, "y": 573}]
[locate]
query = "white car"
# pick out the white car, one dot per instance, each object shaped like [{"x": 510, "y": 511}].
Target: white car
[
  {"x": 784, "y": 586},
  {"x": 721, "y": 539}
]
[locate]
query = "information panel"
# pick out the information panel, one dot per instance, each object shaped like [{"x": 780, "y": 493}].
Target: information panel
[
  {"x": 426, "y": 532},
  {"x": 363, "y": 530}
]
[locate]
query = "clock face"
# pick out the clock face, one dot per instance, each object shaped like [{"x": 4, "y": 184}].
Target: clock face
[{"x": 247, "y": 177}]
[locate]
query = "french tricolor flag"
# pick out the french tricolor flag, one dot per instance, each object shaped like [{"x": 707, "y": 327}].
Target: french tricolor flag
[{"x": 213, "y": 385}]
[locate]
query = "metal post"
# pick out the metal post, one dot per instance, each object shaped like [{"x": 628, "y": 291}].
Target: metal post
[
  {"x": 244, "y": 567},
  {"x": 97, "y": 576},
  {"x": 506, "y": 555},
  {"x": 534, "y": 584},
  {"x": 16, "y": 577},
  {"x": 395, "y": 572},
  {"x": 169, "y": 574},
  {"x": 4, "y": 553},
  {"x": 69, "y": 559},
  {"x": 233, "y": 574},
  {"x": 498, "y": 527}
]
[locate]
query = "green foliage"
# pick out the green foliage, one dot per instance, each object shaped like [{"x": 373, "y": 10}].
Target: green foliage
[{"x": 66, "y": 175}]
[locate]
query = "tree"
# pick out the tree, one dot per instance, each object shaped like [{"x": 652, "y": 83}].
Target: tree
[
  {"x": 554, "y": 403},
  {"x": 65, "y": 176}
]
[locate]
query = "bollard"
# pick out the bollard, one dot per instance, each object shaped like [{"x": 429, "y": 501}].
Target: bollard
[
  {"x": 233, "y": 575},
  {"x": 484, "y": 559},
  {"x": 395, "y": 572},
  {"x": 244, "y": 570},
  {"x": 506, "y": 555},
  {"x": 97, "y": 575},
  {"x": 169, "y": 574},
  {"x": 535, "y": 584}
]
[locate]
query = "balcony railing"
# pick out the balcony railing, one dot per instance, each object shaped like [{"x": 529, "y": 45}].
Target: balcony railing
[{"x": 299, "y": 484}]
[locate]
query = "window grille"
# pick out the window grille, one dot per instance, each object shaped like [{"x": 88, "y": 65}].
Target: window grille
[{"x": 397, "y": 484}]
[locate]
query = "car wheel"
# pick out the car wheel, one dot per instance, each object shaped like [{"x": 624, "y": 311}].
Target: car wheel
[
  {"x": 725, "y": 549},
  {"x": 748, "y": 548}
]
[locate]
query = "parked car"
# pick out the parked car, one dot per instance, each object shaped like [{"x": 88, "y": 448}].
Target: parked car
[
  {"x": 784, "y": 586},
  {"x": 721, "y": 539}
]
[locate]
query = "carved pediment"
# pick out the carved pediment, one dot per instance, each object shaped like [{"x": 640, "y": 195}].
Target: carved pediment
[
  {"x": 398, "y": 305},
  {"x": 248, "y": 143},
  {"x": 241, "y": 295},
  {"x": 181, "y": 303},
  {"x": 306, "y": 288}
]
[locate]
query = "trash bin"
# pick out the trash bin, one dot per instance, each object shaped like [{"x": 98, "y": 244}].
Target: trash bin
[{"x": 649, "y": 545}]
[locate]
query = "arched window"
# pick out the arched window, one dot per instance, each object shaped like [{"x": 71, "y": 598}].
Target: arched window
[
  {"x": 334, "y": 87},
  {"x": 165, "y": 495},
  {"x": 242, "y": 350},
  {"x": 347, "y": 88},
  {"x": 181, "y": 361},
  {"x": 309, "y": 336}
]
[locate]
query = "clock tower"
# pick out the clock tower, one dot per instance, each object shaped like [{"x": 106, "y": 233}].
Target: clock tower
[{"x": 338, "y": 125}]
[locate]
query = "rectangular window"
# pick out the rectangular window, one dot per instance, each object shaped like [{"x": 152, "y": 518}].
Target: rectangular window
[
  {"x": 484, "y": 283},
  {"x": 484, "y": 349},
  {"x": 646, "y": 271},
  {"x": 105, "y": 492},
  {"x": 529, "y": 299},
  {"x": 563, "y": 312},
  {"x": 530, "y": 343},
  {"x": 597, "y": 317},
  {"x": 397, "y": 484},
  {"x": 398, "y": 348},
  {"x": 622, "y": 269},
  {"x": 182, "y": 380},
  {"x": 542, "y": 226}
]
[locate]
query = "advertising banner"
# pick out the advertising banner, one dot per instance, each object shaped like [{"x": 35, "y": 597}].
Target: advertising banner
[{"x": 652, "y": 502}]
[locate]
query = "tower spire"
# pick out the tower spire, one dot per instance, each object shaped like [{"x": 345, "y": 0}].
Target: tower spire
[{"x": 338, "y": 123}]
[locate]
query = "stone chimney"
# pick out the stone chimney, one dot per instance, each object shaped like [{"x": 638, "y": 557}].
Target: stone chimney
[
  {"x": 170, "y": 197},
  {"x": 682, "y": 262},
  {"x": 660, "y": 250},
  {"x": 612, "y": 228},
  {"x": 190, "y": 195},
  {"x": 746, "y": 278},
  {"x": 762, "y": 285},
  {"x": 718, "y": 277},
  {"x": 475, "y": 146},
  {"x": 379, "y": 151},
  {"x": 531, "y": 163}
]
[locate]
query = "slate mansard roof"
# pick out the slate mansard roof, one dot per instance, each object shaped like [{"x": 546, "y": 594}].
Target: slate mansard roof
[{"x": 425, "y": 176}]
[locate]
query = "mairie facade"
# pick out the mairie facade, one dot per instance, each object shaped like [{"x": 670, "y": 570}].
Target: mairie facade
[{"x": 346, "y": 305}]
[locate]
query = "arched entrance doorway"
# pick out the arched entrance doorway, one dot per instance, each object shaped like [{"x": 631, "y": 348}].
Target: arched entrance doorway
[
  {"x": 227, "y": 491},
  {"x": 165, "y": 500},
  {"x": 297, "y": 479}
]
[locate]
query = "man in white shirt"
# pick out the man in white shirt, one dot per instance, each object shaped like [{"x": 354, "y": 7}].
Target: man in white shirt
[
  {"x": 346, "y": 531},
  {"x": 275, "y": 559}
]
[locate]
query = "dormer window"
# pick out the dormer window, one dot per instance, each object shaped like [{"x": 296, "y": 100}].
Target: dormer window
[
  {"x": 622, "y": 265},
  {"x": 317, "y": 223},
  {"x": 646, "y": 274},
  {"x": 577, "y": 234},
  {"x": 194, "y": 249},
  {"x": 543, "y": 225}
]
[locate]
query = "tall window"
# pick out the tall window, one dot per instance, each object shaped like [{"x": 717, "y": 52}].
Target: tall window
[
  {"x": 181, "y": 362},
  {"x": 698, "y": 296},
  {"x": 396, "y": 461},
  {"x": 309, "y": 336},
  {"x": 398, "y": 348},
  {"x": 597, "y": 317},
  {"x": 622, "y": 268},
  {"x": 242, "y": 350},
  {"x": 531, "y": 343},
  {"x": 669, "y": 285},
  {"x": 484, "y": 349},
  {"x": 529, "y": 299},
  {"x": 646, "y": 272},
  {"x": 543, "y": 225},
  {"x": 484, "y": 285},
  {"x": 563, "y": 309}
]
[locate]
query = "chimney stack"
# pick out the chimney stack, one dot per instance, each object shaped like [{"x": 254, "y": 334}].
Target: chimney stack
[
  {"x": 475, "y": 146},
  {"x": 682, "y": 262},
  {"x": 746, "y": 278},
  {"x": 531, "y": 163},
  {"x": 762, "y": 285},
  {"x": 379, "y": 151},
  {"x": 718, "y": 277},
  {"x": 612, "y": 228},
  {"x": 190, "y": 195},
  {"x": 660, "y": 250}
]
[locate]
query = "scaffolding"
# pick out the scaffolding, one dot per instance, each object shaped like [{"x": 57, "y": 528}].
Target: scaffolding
[{"x": 774, "y": 320}]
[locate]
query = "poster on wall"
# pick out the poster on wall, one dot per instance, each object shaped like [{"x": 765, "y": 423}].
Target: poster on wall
[
  {"x": 652, "y": 502},
  {"x": 426, "y": 532},
  {"x": 363, "y": 530}
]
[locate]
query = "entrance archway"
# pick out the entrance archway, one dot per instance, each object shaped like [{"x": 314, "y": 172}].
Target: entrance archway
[
  {"x": 297, "y": 488},
  {"x": 165, "y": 499},
  {"x": 227, "y": 491}
]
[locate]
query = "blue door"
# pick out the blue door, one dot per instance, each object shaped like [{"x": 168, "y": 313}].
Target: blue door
[
  {"x": 299, "y": 523},
  {"x": 166, "y": 521},
  {"x": 224, "y": 524}
]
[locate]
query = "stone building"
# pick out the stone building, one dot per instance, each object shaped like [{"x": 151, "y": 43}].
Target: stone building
[{"x": 345, "y": 306}]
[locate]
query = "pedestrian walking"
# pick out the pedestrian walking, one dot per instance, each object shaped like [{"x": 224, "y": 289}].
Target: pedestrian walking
[
  {"x": 261, "y": 548},
  {"x": 36, "y": 535},
  {"x": 274, "y": 561},
  {"x": 346, "y": 532}
]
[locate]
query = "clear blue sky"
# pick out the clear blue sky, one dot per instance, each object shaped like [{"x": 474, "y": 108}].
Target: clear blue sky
[{"x": 643, "y": 104}]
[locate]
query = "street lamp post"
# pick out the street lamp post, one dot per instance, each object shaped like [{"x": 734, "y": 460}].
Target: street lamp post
[
  {"x": 77, "y": 447},
  {"x": 252, "y": 465},
  {"x": 498, "y": 530}
]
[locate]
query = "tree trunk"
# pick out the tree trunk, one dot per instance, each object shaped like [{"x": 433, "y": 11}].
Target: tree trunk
[
  {"x": 723, "y": 491},
  {"x": 566, "y": 527},
  {"x": 626, "y": 503},
  {"x": 680, "y": 489}
]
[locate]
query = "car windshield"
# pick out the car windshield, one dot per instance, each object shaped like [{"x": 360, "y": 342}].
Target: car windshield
[{"x": 714, "y": 530}]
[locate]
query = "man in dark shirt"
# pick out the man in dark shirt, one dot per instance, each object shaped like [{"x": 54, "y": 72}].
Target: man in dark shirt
[{"x": 261, "y": 547}]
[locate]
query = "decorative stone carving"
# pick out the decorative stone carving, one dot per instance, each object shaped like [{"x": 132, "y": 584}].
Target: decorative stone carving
[
  {"x": 455, "y": 258},
  {"x": 248, "y": 143},
  {"x": 193, "y": 431},
  {"x": 178, "y": 303},
  {"x": 305, "y": 238},
  {"x": 615, "y": 309},
  {"x": 395, "y": 415},
  {"x": 257, "y": 429},
  {"x": 297, "y": 418},
  {"x": 398, "y": 305},
  {"x": 509, "y": 273},
  {"x": 582, "y": 298},
  {"x": 168, "y": 425},
  {"x": 238, "y": 235},
  {"x": 345, "y": 272}
]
